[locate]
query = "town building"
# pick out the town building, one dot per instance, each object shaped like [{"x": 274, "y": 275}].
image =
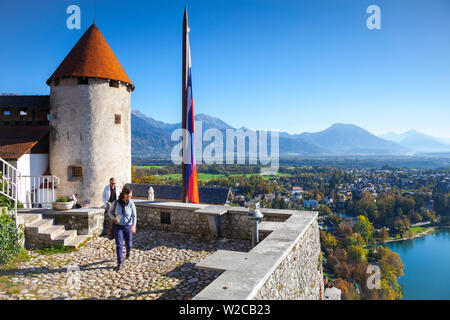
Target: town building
[{"x": 310, "y": 204}]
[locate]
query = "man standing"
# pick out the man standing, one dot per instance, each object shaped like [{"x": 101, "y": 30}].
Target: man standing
[{"x": 110, "y": 194}]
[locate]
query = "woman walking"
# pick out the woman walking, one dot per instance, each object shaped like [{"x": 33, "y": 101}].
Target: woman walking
[{"x": 123, "y": 213}]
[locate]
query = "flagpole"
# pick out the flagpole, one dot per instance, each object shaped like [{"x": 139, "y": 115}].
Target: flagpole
[{"x": 184, "y": 105}]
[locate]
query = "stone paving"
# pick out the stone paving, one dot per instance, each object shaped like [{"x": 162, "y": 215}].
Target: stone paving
[{"x": 161, "y": 266}]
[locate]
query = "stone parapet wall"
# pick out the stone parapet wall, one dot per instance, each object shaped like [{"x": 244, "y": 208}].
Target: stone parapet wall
[
  {"x": 285, "y": 265},
  {"x": 236, "y": 226},
  {"x": 186, "y": 218},
  {"x": 299, "y": 275},
  {"x": 182, "y": 217}
]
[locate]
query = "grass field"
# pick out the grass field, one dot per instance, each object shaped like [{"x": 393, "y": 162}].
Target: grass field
[
  {"x": 150, "y": 166},
  {"x": 414, "y": 231},
  {"x": 209, "y": 176},
  {"x": 200, "y": 176}
]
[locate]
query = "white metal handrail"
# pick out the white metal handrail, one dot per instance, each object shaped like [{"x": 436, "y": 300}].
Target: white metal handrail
[
  {"x": 37, "y": 190},
  {"x": 10, "y": 179},
  {"x": 31, "y": 191}
]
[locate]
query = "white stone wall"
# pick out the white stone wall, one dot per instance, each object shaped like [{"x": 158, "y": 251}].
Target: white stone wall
[{"x": 83, "y": 132}]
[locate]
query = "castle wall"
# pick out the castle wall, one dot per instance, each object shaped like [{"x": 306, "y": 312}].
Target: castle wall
[
  {"x": 299, "y": 275},
  {"x": 185, "y": 218},
  {"x": 84, "y": 133},
  {"x": 285, "y": 265}
]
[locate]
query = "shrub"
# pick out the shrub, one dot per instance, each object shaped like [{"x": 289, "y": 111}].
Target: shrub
[
  {"x": 62, "y": 200},
  {"x": 6, "y": 202},
  {"x": 10, "y": 238}
]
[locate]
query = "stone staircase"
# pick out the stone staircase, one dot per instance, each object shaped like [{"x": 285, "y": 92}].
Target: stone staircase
[{"x": 41, "y": 233}]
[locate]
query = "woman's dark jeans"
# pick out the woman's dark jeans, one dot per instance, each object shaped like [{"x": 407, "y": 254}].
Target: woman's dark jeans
[{"x": 122, "y": 233}]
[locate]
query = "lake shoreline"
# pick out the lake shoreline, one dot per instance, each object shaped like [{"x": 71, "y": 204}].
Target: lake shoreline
[
  {"x": 431, "y": 229},
  {"x": 426, "y": 267}
]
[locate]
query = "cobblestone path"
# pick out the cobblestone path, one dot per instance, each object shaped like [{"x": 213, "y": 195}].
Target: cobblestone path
[{"x": 161, "y": 266}]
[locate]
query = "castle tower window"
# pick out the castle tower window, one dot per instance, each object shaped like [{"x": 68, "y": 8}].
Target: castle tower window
[
  {"x": 75, "y": 173},
  {"x": 7, "y": 112},
  {"x": 83, "y": 80},
  {"x": 56, "y": 81},
  {"x": 129, "y": 88},
  {"x": 117, "y": 118},
  {"x": 114, "y": 83}
]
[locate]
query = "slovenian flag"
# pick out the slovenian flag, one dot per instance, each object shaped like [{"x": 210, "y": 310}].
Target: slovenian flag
[{"x": 191, "y": 168}]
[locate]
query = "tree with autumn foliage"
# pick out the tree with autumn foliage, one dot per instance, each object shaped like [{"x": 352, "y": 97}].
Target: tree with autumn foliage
[
  {"x": 364, "y": 227},
  {"x": 391, "y": 268},
  {"x": 327, "y": 240},
  {"x": 348, "y": 255}
]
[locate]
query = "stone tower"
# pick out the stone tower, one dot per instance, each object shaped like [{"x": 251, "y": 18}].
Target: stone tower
[{"x": 90, "y": 120}]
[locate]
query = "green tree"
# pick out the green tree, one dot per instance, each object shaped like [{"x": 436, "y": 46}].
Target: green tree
[
  {"x": 383, "y": 234},
  {"x": 356, "y": 254},
  {"x": 364, "y": 227},
  {"x": 355, "y": 239},
  {"x": 328, "y": 240},
  {"x": 390, "y": 261},
  {"x": 324, "y": 210},
  {"x": 442, "y": 206},
  {"x": 430, "y": 216}
]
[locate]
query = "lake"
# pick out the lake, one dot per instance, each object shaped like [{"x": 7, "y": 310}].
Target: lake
[{"x": 427, "y": 266}]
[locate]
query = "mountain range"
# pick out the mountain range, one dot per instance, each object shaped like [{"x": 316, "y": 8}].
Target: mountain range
[
  {"x": 418, "y": 141},
  {"x": 152, "y": 138}
]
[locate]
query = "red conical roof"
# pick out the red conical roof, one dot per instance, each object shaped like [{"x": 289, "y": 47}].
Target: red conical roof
[{"x": 91, "y": 57}]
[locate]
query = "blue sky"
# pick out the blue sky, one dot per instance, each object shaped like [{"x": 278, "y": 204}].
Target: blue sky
[{"x": 274, "y": 64}]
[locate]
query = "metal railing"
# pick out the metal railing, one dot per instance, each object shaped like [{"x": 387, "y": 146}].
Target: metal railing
[
  {"x": 31, "y": 191},
  {"x": 35, "y": 191},
  {"x": 9, "y": 184}
]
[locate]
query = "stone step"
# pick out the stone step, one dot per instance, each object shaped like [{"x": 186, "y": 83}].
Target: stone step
[
  {"x": 38, "y": 226},
  {"x": 65, "y": 237},
  {"x": 52, "y": 231},
  {"x": 76, "y": 241},
  {"x": 29, "y": 218},
  {"x": 40, "y": 232}
]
